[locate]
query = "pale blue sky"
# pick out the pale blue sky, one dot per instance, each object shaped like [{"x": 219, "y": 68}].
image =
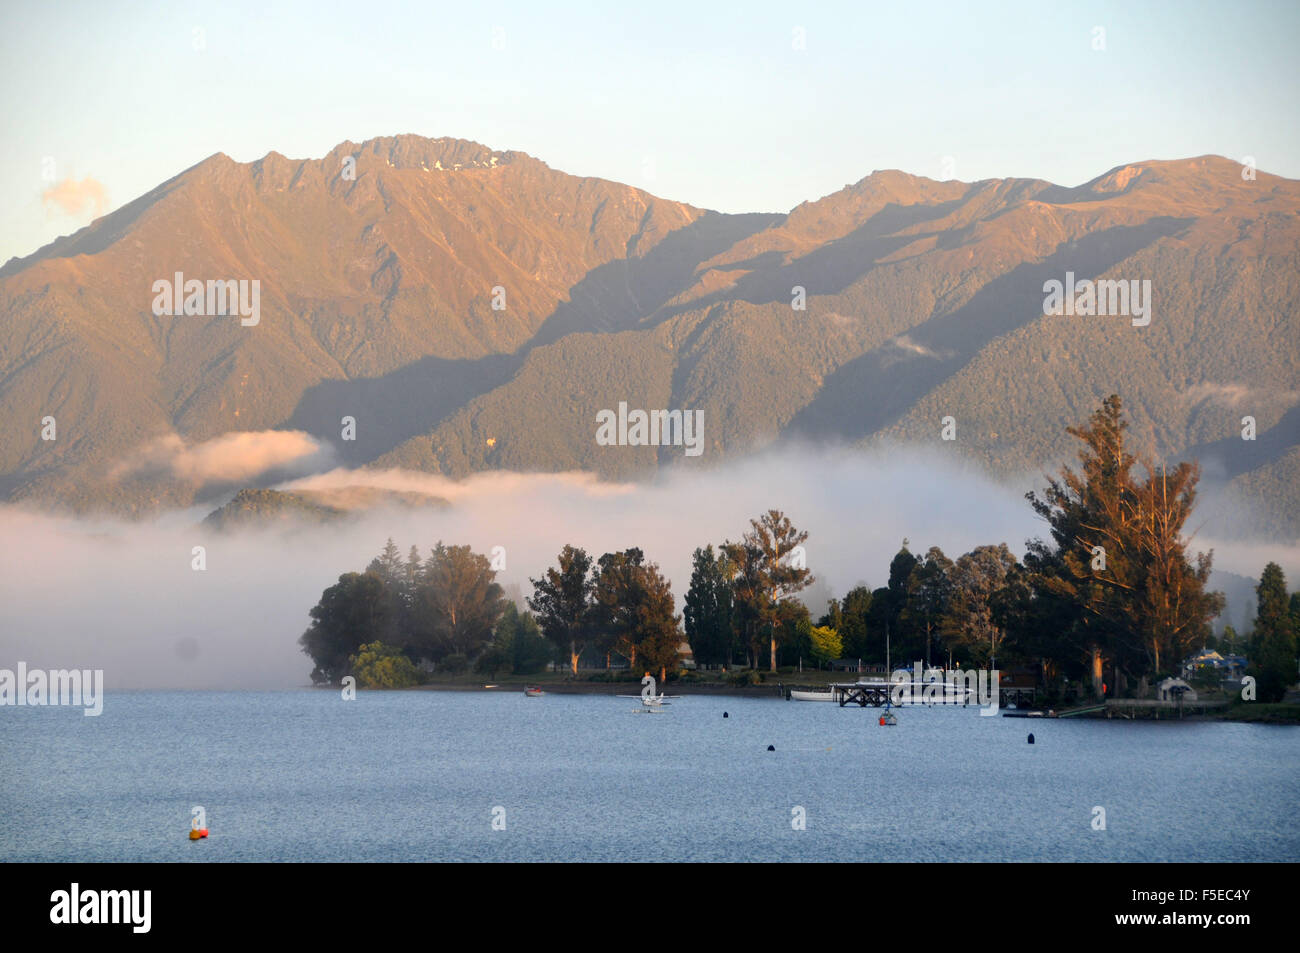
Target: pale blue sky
[{"x": 701, "y": 102}]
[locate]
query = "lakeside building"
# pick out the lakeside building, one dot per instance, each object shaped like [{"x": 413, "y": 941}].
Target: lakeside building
[
  {"x": 1229, "y": 666},
  {"x": 1175, "y": 689}
]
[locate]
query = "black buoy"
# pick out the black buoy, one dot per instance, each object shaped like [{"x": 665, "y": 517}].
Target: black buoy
[
  {"x": 771, "y": 747},
  {"x": 1031, "y": 737},
  {"x": 725, "y": 715}
]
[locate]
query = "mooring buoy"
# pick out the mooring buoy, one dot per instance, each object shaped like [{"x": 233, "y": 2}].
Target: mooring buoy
[
  {"x": 725, "y": 715},
  {"x": 1031, "y": 737},
  {"x": 771, "y": 747}
]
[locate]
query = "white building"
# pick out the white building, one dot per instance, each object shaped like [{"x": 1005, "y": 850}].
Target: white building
[{"x": 1172, "y": 688}]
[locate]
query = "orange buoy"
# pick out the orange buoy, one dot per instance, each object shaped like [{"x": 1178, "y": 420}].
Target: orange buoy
[
  {"x": 882, "y": 719},
  {"x": 203, "y": 832},
  {"x": 194, "y": 834}
]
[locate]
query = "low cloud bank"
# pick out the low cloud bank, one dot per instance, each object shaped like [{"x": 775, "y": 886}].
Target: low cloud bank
[
  {"x": 123, "y": 597},
  {"x": 229, "y": 458}
]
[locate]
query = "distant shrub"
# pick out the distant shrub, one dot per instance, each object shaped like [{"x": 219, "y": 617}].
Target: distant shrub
[
  {"x": 456, "y": 664},
  {"x": 383, "y": 666},
  {"x": 492, "y": 660},
  {"x": 1205, "y": 678},
  {"x": 613, "y": 676}
]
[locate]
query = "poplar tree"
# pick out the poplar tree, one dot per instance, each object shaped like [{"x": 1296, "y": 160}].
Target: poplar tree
[{"x": 708, "y": 612}]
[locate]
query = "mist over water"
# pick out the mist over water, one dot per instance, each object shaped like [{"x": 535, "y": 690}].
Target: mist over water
[{"x": 123, "y": 597}]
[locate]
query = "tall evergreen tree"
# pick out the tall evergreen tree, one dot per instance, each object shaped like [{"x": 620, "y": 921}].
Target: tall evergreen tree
[
  {"x": 927, "y": 596},
  {"x": 1117, "y": 565},
  {"x": 857, "y": 637},
  {"x": 389, "y": 568},
  {"x": 904, "y": 640},
  {"x": 562, "y": 604},
  {"x": 1273, "y": 646},
  {"x": 708, "y": 613},
  {"x": 880, "y": 633}
]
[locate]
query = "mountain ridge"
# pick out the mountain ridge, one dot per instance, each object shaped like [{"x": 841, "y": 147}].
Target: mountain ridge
[{"x": 923, "y": 298}]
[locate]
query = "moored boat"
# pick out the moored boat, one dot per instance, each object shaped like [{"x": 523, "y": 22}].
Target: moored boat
[{"x": 813, "y": 696}]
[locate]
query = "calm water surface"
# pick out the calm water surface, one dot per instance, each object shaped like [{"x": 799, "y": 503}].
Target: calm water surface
[{"x": 412, "y": 776}]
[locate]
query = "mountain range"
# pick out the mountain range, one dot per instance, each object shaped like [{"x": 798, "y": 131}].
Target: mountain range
[{"x": 470, "y": 309}]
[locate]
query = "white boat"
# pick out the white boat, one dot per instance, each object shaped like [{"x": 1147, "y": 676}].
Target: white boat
[
  {"x": 932, "y": 693},
  {"x": 826, "y": 696},
  {"x": 933, "y": 689}
]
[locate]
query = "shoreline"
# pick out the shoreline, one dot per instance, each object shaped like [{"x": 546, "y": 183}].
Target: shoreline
[
  {"x": 1272, "y": 714},
  {"x": 604, "y": 688}
]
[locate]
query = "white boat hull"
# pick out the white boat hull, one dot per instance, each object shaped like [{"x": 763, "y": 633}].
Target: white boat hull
[{"x": 926, "y": 693}]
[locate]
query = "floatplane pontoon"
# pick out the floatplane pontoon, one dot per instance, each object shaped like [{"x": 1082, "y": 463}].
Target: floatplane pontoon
[{"x": 650, "y": 702}]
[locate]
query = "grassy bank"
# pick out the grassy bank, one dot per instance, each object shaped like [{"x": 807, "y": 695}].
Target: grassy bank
[
  {"x": 1280, "y": 713},
  {"x": 607, "y": 683}
]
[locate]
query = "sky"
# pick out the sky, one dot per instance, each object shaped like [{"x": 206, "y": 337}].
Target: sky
[{"x": 732, "y": 106}]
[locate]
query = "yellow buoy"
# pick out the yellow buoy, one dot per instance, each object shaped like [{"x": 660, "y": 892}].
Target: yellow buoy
[{"x": 194, "y": 835}]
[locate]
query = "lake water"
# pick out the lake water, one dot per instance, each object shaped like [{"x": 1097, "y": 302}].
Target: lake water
[{"x": 408, "y": 776}]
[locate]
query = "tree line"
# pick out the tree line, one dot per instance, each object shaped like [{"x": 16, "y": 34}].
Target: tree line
[
  {"x": 1112, "y": 586},
  {"x": 444, "y": 606}
]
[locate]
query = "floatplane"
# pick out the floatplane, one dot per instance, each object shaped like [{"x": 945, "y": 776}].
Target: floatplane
[{"x": 650, "y": 702}]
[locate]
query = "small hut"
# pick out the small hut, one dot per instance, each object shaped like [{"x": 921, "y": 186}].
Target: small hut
[{"x": 1175, "y": 689}]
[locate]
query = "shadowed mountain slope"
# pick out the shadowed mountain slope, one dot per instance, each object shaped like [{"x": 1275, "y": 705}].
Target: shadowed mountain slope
[{"x": 380, "y": 265}]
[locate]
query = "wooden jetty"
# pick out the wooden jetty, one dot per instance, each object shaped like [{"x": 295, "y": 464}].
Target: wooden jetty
[
  {"x": 863, "y": 694},
  {"x": 876, "y": 693}
]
